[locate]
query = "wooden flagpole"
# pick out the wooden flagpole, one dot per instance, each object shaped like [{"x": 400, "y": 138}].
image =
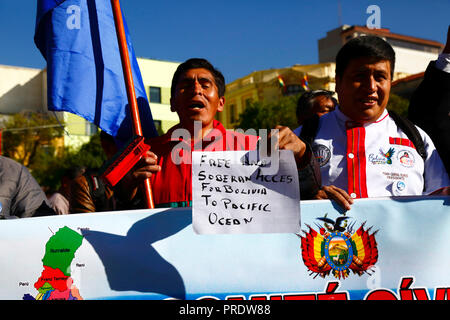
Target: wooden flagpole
[{"x": 128, "y": 75}]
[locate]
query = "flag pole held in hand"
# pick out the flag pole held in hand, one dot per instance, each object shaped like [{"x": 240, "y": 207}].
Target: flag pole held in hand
[{"x": 128, "y": 77}]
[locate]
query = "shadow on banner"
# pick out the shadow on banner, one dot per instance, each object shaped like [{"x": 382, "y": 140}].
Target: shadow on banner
[{"x": 132, "y": 263}]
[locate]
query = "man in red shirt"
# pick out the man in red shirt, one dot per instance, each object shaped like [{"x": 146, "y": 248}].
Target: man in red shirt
[{"x": 197, "y": 94}]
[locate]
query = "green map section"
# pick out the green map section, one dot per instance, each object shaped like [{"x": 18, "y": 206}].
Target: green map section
[
  {"x": 60, "y": 249},
  {"x": 46, "y": 287}
]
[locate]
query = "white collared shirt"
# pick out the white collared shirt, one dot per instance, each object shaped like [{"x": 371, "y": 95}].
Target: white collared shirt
[{"x": 376, "y": 159}]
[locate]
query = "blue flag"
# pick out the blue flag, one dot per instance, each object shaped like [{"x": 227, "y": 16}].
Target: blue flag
[{"x": 84, "y": 70}]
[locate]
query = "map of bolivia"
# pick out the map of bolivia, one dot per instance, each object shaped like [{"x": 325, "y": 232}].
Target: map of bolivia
[{"x": 55, "y": 282}]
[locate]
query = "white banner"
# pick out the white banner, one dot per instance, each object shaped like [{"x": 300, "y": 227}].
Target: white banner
[{"x": 388, "y": 249}]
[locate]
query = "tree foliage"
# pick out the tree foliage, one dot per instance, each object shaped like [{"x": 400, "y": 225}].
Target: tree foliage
[
  {"x": 398, "y": 104},
  {"x": 31, "y": 139},
  {"x": 262, "y": 115},
  {"x": 52, "y": 168},
  {"x": 28, "y": 134}
]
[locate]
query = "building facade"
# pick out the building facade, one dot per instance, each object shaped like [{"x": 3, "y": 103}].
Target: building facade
[
  {"x": 270, "y": 85},
  {"x": 412, "y": 54},
  {"x": 157, "y": 77},
  {"x": 25, "y": 89}
]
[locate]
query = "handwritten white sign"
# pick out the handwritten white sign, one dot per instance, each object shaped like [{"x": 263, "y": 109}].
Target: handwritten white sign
[{"x": 236, "y": 192}]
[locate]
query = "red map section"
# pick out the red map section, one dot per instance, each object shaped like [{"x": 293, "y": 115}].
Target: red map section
[{"x": 55, "y": 278}]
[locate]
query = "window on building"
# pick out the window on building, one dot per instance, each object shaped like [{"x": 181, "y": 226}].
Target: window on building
[
  {"x": 155, "y": 94},
  {"x": 292, "y": 89},
  {"x": 91, "y": 129}
]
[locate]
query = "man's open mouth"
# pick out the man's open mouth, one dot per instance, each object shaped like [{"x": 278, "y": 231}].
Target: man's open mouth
[
  {"x": 196, "y": 106},
  {"x": 369, "y": 101}
]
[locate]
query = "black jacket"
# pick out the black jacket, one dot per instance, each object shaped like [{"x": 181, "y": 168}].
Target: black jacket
[{"x": 430, "y": 109}]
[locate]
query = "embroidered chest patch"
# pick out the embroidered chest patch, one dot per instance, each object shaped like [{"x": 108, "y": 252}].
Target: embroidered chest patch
[
  {"x": 322, "y": 154},
  {"x": 406, "y": 158},
  {"x": 382, "y": 157}
]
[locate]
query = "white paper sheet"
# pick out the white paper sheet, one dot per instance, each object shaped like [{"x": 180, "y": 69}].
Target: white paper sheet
[{"x": 237, "y": 192}]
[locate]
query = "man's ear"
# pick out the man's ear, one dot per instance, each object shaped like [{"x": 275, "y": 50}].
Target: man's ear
[{"x": 221, "y": 104}]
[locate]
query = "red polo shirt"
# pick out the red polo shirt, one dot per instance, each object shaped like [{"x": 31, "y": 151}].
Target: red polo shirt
[{"x": 172, "y": 185}]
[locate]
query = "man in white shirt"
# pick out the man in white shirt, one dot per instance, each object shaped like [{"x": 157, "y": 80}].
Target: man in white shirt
[{"x": 360, "y": 149}]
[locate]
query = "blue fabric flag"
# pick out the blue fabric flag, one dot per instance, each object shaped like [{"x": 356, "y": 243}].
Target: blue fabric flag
[{"x": 84, "y": 71}]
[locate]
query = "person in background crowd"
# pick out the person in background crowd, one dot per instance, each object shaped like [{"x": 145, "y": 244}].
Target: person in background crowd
[
  {"x": 430, "y": 104},
  {"x": 316, "y": 102},
  {"x": 20, "y": 194},
  {"x": 60, "y": 200},
  {"x": 89, "y": 192}
]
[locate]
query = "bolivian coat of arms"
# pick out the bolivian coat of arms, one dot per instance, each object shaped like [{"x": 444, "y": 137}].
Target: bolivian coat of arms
[{"x": 336, "y": 248}]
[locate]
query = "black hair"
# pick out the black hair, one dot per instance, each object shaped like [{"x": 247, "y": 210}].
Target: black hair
[
  {"x": 195, "y": 63},
  {"x": 364, "y": 46},
  {"x": 74, "y": 172},
  {"x": 306, "y": 101}
]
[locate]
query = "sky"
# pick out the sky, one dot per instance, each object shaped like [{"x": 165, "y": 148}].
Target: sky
[{"x": 238, "y": 37}]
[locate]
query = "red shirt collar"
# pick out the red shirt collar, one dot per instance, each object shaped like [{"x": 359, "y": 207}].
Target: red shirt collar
[{"x": 217, "y": 131}]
